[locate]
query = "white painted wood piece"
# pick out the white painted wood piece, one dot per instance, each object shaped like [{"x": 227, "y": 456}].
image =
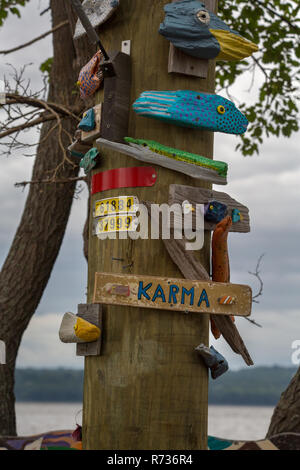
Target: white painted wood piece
[
  {"x": 2, "y": 353},
  {"x": 126, "y": 47},
  {"x": 98, "y": 11},
  {"x": 66, "y": 331}
]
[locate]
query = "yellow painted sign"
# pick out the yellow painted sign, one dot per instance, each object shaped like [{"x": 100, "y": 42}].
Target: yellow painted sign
[
  {"x": 116, "y": 205},
  {"x": 115, "y": 224},
  {"x": 172, "y": 294}
]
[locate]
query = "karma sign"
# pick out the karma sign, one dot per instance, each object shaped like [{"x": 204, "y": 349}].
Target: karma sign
[{"x": 172, "y": 294}]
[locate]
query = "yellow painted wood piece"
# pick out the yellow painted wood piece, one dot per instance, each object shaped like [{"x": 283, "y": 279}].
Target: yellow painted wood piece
[
  {"x": 233, "y": 47},
  {"x": 86, "y": 331},
  {"x": 173, "y": 294}
]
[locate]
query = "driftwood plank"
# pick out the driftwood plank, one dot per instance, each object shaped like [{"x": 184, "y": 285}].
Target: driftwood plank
[
  {"x": 194, "y": 171},
  {"x": 116, "y": 106},
  {"x": 193, "y": 269},
  {"x": 179, "y": 62},
  {"x": 93, "y": 314},
  {"x": 180, "y": 193}
]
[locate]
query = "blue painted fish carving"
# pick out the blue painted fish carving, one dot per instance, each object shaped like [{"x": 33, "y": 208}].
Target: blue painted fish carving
[
  {"x": 200, "y": 33},
  {"x": 192, "y": 109}
]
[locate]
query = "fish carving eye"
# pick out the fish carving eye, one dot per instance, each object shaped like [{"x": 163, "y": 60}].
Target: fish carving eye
[
  {"x": 203, "y": 16},
  {"x": 221, "y": 109}
]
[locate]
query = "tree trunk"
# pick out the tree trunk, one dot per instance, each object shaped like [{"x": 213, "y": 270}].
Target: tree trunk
[
  {"x": 38, "y": 239},
  {"x": 286, "y": 416}
]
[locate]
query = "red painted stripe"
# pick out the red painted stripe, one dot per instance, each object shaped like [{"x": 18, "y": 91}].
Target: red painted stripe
[{"x": 134, "y": 177}]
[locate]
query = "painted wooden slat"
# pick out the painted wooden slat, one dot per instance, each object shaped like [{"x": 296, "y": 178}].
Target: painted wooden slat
[
  {"x": 172, "y": 294},
  {"x": 194, "y": 171},
  {"x": 180, "y": 193},
  {"x": 116, "y": 106},
  {"x": 179, "y": 62},
  {"x": 93, "y": 314}
]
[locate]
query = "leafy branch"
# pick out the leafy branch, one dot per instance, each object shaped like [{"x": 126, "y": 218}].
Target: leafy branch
[{"x": 275, "y": 26}]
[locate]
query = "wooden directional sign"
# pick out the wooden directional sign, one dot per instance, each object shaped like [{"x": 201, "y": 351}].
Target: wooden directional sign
[
  {"x": 180, "y": 193},
  {"x": 172, "y": 294}
]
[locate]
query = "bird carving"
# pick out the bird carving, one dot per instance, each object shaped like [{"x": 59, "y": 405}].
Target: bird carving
[{"x": 198, "y": 32}]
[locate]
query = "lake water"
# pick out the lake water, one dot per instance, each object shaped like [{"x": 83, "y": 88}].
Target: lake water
[{"x": 231, "y": 422}]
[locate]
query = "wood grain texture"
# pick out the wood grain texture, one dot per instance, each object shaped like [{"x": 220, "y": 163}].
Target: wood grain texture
[
  {"x": 179, "y": 194},
  {"x": 115, "y": 114},
  {"x": 93, "y": 314},
  {"x": 140, "y": 393},
  {"x": 179, "y": 62}
]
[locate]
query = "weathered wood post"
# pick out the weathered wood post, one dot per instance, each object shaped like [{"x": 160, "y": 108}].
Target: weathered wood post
[{"x": 148, "y": 389}]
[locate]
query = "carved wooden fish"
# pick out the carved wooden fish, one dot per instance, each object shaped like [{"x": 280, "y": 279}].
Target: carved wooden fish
[
  {"x": 192, "y": 109},
  {"x": 198, "y": 32}
]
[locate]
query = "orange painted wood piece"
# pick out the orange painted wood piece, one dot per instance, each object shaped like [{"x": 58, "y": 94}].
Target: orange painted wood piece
[
  {"x": 220, "y": 258},
  {"x": 172, "y": 294},
  {"x": 220, "y": 261}
]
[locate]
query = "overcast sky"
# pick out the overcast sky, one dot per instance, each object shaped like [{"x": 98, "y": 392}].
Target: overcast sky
[{"x": 268, "y": 184}]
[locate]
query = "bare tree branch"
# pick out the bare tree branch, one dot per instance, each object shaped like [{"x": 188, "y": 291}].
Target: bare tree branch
[
  {"x": 42, "y": 36},
  {"x": 253, "y": 322},
  {"x": 23, "y": 184},
  {"x": 13, "y": 98},
  {"x": 44, "y": 118},
  {"x": 257, "y": 275}
]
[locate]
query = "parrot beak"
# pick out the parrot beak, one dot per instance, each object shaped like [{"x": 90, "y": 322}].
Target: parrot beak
[{"x": 233, "y": 46}]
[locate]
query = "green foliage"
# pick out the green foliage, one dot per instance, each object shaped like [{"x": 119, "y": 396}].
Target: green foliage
[
  {"x": 10, "y": 6},
  {"x": 45, "y": 67},
  {"x": 275, "y": 26}
]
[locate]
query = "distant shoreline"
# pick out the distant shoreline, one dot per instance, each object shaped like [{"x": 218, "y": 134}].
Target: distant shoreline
[
  {"x": 260, "y": 386},
  {"x": 80, "y": 403}
]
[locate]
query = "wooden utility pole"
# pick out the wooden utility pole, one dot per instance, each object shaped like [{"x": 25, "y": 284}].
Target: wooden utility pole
[{"x": 148, "y": 389}]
